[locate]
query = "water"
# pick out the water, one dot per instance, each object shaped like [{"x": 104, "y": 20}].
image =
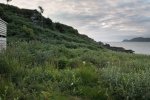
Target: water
[{"x": 138, "y": 47}]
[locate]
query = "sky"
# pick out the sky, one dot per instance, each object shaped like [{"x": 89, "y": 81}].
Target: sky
[{"x": 102, "y": 20}]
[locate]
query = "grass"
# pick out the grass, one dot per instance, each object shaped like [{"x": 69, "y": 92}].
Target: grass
[
  {"x": 55, "y": 62},
  {"x": 41, "y": 71}
]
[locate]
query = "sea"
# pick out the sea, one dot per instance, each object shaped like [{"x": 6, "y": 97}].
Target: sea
[{"x": 138, "y": 47}]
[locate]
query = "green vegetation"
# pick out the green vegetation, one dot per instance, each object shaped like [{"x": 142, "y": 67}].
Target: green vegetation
[
  {"x": 138, "y": 39},
  {"x": 55, "y": 62}
]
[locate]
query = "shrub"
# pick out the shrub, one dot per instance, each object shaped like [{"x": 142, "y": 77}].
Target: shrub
[
  {"x": 28, "y": 32},
  {"x": 5, "y": 67},
  {"x": 62, "y": 63}
]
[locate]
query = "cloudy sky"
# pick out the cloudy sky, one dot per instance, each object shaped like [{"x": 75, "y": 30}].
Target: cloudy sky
[{"x": 102, "y": 20}]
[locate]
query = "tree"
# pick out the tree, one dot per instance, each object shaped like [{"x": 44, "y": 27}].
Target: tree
[
  {"x": 41, "y": 11},
  {"x": 8, "y": 1}
]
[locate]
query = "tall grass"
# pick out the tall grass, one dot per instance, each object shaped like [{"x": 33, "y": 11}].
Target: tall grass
[{"x": 35, "y": 70}]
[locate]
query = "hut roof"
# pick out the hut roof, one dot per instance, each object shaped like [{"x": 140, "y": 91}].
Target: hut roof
[{"x": 3, "y": 21}]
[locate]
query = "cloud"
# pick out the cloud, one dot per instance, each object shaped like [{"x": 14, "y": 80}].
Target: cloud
[{"x": 105, "y": 19}]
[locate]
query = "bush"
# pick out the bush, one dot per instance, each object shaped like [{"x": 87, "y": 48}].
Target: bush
[
  {"x": 5, "y": 67},
  {"x": 28, "y": 32},
  {"x": 62, "y": 63},
  {"x": 75, "y": 63}
]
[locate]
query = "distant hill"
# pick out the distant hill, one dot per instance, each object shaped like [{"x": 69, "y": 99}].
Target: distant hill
[{"x": 138, "y": 39}]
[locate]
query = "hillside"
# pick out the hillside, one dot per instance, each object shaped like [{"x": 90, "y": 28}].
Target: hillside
[
  {"x": 52, "y": 61},
  {"x": 138, "y": 39},
  {"x": 28, "y": 25}
]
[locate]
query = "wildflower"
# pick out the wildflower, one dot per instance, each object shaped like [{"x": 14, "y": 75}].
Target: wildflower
[
  {"x": 71, "y": 83},
  {"x": 84, "y": 62},
  {"x": 108, "y": 62}
]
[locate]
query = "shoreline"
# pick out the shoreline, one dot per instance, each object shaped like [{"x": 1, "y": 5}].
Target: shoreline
[{"x": 142, "y": 48}]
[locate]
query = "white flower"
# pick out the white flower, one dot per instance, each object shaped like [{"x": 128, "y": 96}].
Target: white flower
[
  {"x": 83, "y": 62},
  {"x": 71, "y": 83}
]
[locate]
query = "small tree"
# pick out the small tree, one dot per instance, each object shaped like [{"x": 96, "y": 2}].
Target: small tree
[
  {"x": 41, "y": 11},
  {"x": 8, "y": 1}
]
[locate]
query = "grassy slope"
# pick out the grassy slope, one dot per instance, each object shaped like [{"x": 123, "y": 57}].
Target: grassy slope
[
  {"x": 57, "y": 63},
  {"x": 26, "y": 25}
]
